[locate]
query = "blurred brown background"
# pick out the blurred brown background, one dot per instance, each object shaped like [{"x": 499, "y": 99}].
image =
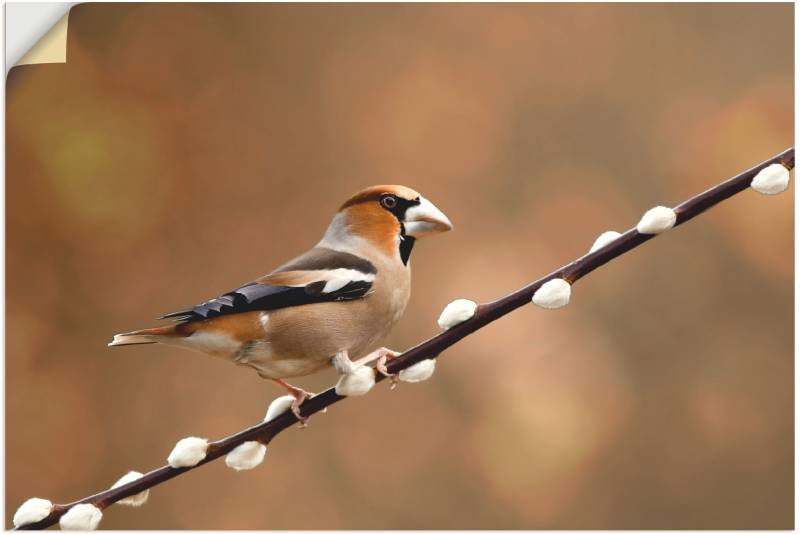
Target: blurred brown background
[{"x": 184, "y": 149}]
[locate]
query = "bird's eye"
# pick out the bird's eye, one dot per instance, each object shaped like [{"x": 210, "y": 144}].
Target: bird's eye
[{"x": 388, "y": 202}]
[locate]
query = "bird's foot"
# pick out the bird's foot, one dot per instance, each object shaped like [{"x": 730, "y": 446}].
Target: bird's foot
[
  {"x": 300, "y": 395},
  {"x": 383, "y": 355},
  {"x": 296, "y": 409},
  {"x": 381, "y": 367},
  {"x": 344, "y": 366}
]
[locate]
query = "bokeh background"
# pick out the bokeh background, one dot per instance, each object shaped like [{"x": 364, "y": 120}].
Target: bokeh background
[{"x": 184, "y": 149}]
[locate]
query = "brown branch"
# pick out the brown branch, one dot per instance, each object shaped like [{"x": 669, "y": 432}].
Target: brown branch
[{"x": 485, "y": 314}]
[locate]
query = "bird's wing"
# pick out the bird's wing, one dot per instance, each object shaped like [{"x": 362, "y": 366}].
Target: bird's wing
[{"x": 319, "y": 275}]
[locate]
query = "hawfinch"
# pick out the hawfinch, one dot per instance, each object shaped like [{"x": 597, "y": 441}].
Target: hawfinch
[{"x": 335, "y": 302}]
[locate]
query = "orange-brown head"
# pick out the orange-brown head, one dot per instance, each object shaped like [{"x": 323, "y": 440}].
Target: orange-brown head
[{"x": 388, "y": 214}]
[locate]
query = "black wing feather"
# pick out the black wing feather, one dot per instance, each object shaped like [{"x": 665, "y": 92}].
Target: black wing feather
[
  {"x": 256, "y": 296},
  {"x": 263, "y": 297}
]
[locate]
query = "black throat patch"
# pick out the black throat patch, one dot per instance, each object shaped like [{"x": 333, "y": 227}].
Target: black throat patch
[{"x": 406, "y": 244}]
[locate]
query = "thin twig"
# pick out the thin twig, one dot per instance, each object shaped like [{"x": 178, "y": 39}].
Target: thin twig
[{"x": 485, "y": 314}]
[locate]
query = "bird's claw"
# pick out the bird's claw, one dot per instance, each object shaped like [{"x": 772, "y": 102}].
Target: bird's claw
[
  {"x": 300, "y": 395},
  {"x": 380, "y": 365},
  {"x": 298, "y": 401}
]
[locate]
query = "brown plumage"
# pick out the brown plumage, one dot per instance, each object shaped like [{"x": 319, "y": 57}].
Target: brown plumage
[{"x": 342, "y": 296}]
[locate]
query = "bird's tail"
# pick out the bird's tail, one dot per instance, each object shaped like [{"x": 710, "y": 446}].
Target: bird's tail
[{"x": 141, "y": 337}]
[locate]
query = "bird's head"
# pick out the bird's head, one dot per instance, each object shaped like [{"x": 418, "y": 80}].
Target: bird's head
[{"x": 389, "y": 216}]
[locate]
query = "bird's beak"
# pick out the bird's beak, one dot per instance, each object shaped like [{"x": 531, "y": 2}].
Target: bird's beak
[{"x": 425, "y": 219}]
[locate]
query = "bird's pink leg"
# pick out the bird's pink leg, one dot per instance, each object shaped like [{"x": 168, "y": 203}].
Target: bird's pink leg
[
  {"x": 299, "y": 395},
  {"x": 383, "y": 355}
]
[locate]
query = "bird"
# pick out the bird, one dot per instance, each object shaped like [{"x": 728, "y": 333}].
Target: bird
[{"x": 330, "y": 305}]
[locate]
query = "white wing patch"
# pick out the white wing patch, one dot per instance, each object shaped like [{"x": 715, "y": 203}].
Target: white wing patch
[{"x": 336, "y": 279}]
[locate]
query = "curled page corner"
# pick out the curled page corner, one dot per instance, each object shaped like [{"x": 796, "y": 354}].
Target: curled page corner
[
  {"x": 33, "y": 23},
  {"x": 51, "y": 48}
]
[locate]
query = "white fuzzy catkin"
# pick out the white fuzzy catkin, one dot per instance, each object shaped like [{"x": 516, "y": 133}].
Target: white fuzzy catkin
[
  {"x": 771, "y": 180},
  {"x": 188, "y": 452},
  {"x": 456, "y": 312},
  {"x": 134, "y": 500},
  {"x": 604, "y": 239},
  {"x": 31, "y": 511},
  {"x": 359, "y": 382},
  {"x": 248, "y": 455},
  {"x": 656, "y": 220},
  {"x": 553, "y": 294},
  {"x": 418, "y": 372},
  {"x": 278, "y": 406},
  {"x": 81, "y": 517}
]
